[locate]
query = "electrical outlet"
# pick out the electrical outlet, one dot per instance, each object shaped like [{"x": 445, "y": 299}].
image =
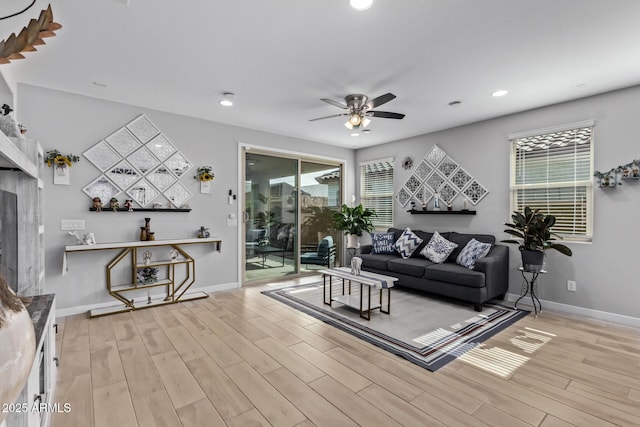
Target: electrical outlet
[
  {"x": 571, "y": 285},
  {"x": 72, "y": 224}
]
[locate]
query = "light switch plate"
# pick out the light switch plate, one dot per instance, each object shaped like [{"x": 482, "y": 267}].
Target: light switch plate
[{"x": 71, "y": 224}]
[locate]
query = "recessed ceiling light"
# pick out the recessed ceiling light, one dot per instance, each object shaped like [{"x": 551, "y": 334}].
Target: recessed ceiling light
[
  {"x": 366, "y": 131},
  {"x": 99, "y": 84},
  {"x": 455, "y": 104},
  {"x": 355, "y": 134},
  {"x": 361, "y": 5},
  {"x": 499, "y": 93},
  {"x": 227, "y": 101}
]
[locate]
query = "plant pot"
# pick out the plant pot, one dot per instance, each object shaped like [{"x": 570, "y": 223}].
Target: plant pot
[
  {"x": 353, "y": 241},
  {"x": 532, "y": 260}
]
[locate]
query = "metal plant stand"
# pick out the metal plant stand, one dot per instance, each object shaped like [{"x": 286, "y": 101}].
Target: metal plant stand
[{"x": 530, "y": 286}]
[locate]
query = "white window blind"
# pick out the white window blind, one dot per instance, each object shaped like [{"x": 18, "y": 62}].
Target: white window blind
[
  {"x": 553, "y": 172},
  {"x": 376, "y": 190}
]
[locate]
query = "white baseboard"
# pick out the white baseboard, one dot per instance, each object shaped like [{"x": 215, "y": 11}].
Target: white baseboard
[
  {"x": 581, "y": 311},
  {"x": 70, "y": 311}
]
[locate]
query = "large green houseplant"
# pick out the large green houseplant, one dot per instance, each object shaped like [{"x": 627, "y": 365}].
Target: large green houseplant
[
  {"x": 533, "y": 230},
  {"x": 353, "y": 222}
]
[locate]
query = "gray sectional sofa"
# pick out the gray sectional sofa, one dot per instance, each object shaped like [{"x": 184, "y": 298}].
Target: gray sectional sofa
[{"x": 489, "y": 279}]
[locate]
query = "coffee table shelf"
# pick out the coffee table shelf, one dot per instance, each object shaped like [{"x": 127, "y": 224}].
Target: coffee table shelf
[
  {"x": 358, "y": 302},
  {"x": 353, "y": 301}
]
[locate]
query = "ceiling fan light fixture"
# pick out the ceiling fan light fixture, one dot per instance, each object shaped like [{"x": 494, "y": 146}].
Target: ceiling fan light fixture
[
  {"x": 355, "y": 120},
  {"x": 227, "y": 101},
  {"x": 361, "y": 5},
  {"x": 365, "y": 122},
  {"x": 348, "y": 125}
]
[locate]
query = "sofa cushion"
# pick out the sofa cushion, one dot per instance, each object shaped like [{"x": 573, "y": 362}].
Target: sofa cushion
[
  {"x": 410, "y": 266},
  {"x": 407, "y": 243},
  {"x": 382, "y": 243},
  {"x": 377, "y": 262},
  {"x": 455, "y": 274},
  {"x": 471, "y": 252},
  {"x": 438, "y": 248},
  {"x": 463, "y": 239}
]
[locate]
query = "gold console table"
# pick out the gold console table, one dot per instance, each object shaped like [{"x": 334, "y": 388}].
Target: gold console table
[{"x": 175, "y": 292}]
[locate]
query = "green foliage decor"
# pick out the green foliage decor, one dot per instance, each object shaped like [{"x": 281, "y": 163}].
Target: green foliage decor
[
  {"x": 356, "y": 220},
  {"x": 533, "y": 228}
]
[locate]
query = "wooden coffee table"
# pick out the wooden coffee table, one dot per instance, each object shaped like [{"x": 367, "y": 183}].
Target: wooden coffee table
[{"x": 365, "y": 278}]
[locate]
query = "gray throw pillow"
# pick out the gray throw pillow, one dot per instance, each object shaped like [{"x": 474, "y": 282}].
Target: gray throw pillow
[{"x": 438, "y": 249}]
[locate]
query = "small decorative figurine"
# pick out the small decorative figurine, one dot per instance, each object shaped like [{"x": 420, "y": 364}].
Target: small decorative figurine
[
  {"x": 356, "y": 264},
  {"x": 97, "y": 204},
  {"x": 449, "y": 207},
  {"x": 635, "y": 171},
  {"x": 146, "y": 256},
  {"x": 113, "y": 204},
  {"x": 89, "y": 239},
  {"x": 173, "y": 254},
  {"x": 203, "y": 233},
  {"x": 436, "y": 202},
  {"x": 129, "y": 205}
]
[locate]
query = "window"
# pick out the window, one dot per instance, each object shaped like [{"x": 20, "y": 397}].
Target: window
[
  {"x": 552, "y": 170},
  {"x": 376, "y": 190}
]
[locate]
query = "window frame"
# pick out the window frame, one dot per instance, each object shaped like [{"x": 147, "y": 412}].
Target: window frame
[
  {"x": 587, "y": 183},
  {"x": 364, "y": 197}
]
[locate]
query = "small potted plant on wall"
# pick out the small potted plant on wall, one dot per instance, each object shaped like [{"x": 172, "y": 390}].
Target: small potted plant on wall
[
  {"x": 205, "y": 175},
  {"x": 533, "y": 230},
  {"x": 61, "y": 164},
  {"x": 353, "y": 222}
]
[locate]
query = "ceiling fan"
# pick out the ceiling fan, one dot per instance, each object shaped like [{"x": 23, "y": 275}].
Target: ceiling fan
[{"x": 359, "y": 108}]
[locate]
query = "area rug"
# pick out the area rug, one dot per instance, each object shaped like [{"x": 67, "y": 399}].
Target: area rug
[{"x": 424, "y": 329}]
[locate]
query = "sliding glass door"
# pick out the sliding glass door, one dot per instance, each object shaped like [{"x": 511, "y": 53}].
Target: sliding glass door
[
  {"x": 271, "y": 216},
  {"x": 288, "y": 202},
  {"x": 320, "y": 197}
]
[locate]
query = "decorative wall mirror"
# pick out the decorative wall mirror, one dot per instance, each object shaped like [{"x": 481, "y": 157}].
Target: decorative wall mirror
[
  {"x": 139, "y": 160},
  {"x": 101, "y": 187},
  {"x": 143, "y": 193}
]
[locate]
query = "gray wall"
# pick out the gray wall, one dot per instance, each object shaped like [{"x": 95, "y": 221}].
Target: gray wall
[
  {"x": 73, "y": 123},
  {"x": 605, "y": 270}
]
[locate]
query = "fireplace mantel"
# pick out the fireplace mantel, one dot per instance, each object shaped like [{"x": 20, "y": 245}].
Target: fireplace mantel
[
  {"x": 11, "y": 157},
  {"x": 21, "y": 170}
]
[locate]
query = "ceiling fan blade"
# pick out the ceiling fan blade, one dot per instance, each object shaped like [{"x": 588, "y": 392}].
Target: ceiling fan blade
[
  {"x": 327, "y": 117},
  {"x": 334, "y": 103},
  {"x": 385, "y": 114},
  {"x": 382, "y": 99}
]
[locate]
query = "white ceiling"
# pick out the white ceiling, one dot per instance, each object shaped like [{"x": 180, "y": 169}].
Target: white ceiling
[{"x": 281, "y": 56}]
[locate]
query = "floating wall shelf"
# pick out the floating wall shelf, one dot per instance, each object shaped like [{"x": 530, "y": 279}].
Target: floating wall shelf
[
  {"x": 143, "y": 210},
  {"x": 445, "y": 212}
]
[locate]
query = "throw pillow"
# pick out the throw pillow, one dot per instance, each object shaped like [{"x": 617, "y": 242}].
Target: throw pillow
[
  {"x": 438, "y": 249},
  {"x": 407, "y": 243},
  {"x": 473, "y": 251},
  {"x": 382, "y": 243}
]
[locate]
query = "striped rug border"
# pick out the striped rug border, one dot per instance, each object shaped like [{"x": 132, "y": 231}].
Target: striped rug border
[{"x": 431, "y": 357}]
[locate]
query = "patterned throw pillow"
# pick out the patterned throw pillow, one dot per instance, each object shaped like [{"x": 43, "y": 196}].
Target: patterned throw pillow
[
  {"x": 438, "y": 249},
  {"x": 407, "y": 243},
  {"x": 472, "y": 251},
  {"x": 382, "y": 243}
]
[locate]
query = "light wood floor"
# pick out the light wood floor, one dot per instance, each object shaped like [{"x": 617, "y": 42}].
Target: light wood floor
[{"x": 240, "y": 358}]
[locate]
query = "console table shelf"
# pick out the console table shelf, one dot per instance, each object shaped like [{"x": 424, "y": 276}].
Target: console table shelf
[
  {"x": 176, "y": 289},
  {"x": 107, "y": 209},
  {"x": 445, "y": 212}
]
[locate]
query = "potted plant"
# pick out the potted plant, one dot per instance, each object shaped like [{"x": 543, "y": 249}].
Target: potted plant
[
  {"x": 533, "y": 229},
  {"x": 353, "y": 221}
]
